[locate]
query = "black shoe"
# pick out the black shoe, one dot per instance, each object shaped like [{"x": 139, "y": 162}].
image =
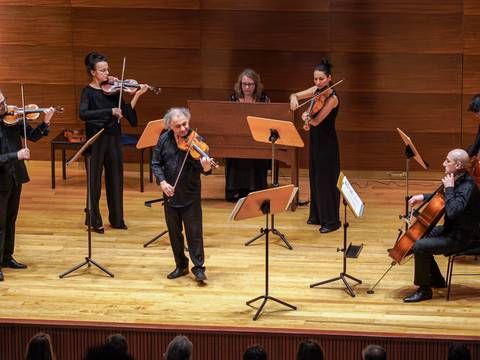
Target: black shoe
[
  {"x": 100, "y": 230},
  {"x": 177, "y": 273},
  {"x": 121, "y": 227},
  {"x": 423, "y": 293},
  {"x": 13, "y": 264},
  {"x": 326, "y": 229},
  {"x": 200, "y": 276},
  {"x": 1, "y": 276}
]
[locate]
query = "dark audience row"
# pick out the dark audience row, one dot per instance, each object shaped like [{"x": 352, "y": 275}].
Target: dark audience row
[{"x": 181, "y": 348}]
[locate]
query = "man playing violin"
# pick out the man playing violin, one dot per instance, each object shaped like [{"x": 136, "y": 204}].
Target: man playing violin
[
  {"x": 460, "y": 231},
  {"x": 182, "y": 193},
  {"x": 13, "y": 174}
]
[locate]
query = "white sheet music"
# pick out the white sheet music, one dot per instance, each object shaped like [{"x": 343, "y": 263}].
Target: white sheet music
[{"x": 349, "y": 193}]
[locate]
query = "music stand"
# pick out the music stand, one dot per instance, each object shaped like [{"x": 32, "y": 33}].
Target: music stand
[
  {"x": 410, "y": 152},
  {"x": 88, "y": 259},
  {"x": 353, "y": 201},
  {"x": 149, "y": 138},
  {"x": 265, "y": 202},
  {"x": 275, "y": 132}
]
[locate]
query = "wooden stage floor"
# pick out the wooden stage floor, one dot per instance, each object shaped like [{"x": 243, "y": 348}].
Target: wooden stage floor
[{"x": 51, "y": 238}]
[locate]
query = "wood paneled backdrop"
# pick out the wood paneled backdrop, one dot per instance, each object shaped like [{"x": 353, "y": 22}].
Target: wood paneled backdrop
[{"x": 408, "y": 64}]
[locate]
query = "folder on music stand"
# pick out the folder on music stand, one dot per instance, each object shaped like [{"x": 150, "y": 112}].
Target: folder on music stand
[
  {"x": 84, "y": 147},
  {"x": 265, "y": 202},
  {"x": 410, "y": 147},
  {"x": 275, "y": 132}
]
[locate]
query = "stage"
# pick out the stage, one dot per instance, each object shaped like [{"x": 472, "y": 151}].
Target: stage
[{"x": 51, "y": 238}]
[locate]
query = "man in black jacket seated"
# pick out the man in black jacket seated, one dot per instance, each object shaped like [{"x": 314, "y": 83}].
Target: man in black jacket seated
[
  {"x": 460, "y": 231},
  {"x": 182, "y": 202},
  {"x": 12, "y": 175}
]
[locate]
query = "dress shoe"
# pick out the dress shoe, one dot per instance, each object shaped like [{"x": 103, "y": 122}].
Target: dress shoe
[
  {"x": 1, "y": 276},
  {"x": 13, "y": 264},
  {"x": 100, "y": 230},
  {"x": 423, "y": 293},
  {"x": 326, "y": 229},
  {"x": 200, "y": 276},
  {"x": 121, "y": 227},
  {"x": 177, "y": 273}
]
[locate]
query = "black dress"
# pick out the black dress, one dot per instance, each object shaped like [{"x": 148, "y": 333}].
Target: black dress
[
  {"x": 245, "y": 175},
  {"x": 96, "y": 111},
  {"x": 324, "y": 168}
]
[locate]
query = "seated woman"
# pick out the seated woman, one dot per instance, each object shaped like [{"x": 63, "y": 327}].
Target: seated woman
[{"x": 245, "y": 175}]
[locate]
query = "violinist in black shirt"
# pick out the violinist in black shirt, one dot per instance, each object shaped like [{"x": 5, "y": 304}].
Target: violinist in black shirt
[
  {"x": 183, "y": 200},
  {"x": 460, "y": 231},
  {"x": 13, "y": 174},
  {"x": 101, "y": 111}
]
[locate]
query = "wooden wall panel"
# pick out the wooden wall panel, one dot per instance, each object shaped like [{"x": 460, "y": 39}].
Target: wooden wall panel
[
  {"x": 261, "y": 5},
  {"x": 262, "y": 30},
  {"x": 399, "y": 6},
  {"x": 471, "y": 35},
  {"x": 471, "y": 74},
  {"x": 35, "y": 3},
  {"x": 149, "y": 4},
  {"x": 389, "y": 32},
  {"x": 471, "y": 7},
  {"x": 48, "y": 26},
  {"x": 405, "y": 73},
  {"x": 171, "y": 29}
]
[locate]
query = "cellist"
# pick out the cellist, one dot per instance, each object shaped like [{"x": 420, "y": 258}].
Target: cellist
[{"x": 460, "y": 231}]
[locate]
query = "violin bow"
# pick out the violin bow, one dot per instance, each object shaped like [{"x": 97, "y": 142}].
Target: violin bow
[
  {"x": 121, "y": 84},
  {"x": 24, "y": 117},
  {"x": 314, "y": 97},
  {"x": 184, "y": 161}
]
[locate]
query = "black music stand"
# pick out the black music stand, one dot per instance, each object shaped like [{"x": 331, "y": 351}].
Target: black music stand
[
  {"x": 410, "y": 152},
  {"x": 85, "y": 150},
  {"x": 259, "y": 203},
  {"x": 351, "y": 200},
  {"x": 149, "y": 138},
  {"x": 275, "y": 132}
]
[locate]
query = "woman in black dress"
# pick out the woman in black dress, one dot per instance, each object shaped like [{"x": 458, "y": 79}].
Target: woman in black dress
[
  {"x": 101, "y": 111},
  {"x": 245, "y": 175},
  {"x": 324, "y": 163}
]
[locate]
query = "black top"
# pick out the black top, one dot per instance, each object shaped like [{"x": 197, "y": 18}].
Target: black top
[
  {"x": 475, "y": 147},
  {"x": 166, "y": 163},
  {"x": 96, "y": 111},
  {"x": 462, "y": 210},
  {"x": 263, "y": 98},
  {"x": 12, "y": 170}
]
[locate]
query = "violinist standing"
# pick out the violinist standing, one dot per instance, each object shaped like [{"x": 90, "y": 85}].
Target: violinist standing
[
  {"x": 13, "y": 174},
  {"x": 182, "y": 203},
  {"x": 460, "y": 231},
  {"x": 101, "y": 111},
  {"x": 324, "y": 155}
]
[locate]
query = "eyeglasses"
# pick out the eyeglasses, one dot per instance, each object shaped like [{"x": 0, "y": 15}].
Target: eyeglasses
[{"x": 248, "y": 84}]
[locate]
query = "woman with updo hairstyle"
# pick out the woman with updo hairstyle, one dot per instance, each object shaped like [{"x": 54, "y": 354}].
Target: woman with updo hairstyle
[
  {"x": 245, "y": 175},
  {"x": 324, "y": 155},
  {"x": 40, "y": 348},
  {"x": 101, "y": 111}
]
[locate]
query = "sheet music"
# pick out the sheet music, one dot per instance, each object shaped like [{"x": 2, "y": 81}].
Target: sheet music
[
  {"x": 237, "y": 207},
  {"x": 294, "y": 192},
  {"x": 352, "y": 197}
]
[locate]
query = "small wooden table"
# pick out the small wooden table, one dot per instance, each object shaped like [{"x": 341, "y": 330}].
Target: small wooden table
[{"x": 61, "y": 143}]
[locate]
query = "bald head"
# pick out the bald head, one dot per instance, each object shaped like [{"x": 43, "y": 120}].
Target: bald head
[{"x": 459, "y": 156}]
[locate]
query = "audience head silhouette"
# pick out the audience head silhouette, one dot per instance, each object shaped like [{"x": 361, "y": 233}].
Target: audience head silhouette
[
  {"x": 40, "y": 348},
  {"x": 255, "y": 353},
  {"x": 180, "y": 348},
  {"x": 458, "y": 352},
  {"x": 374, "y": 352},
  {"x": 309, "y": 350}
]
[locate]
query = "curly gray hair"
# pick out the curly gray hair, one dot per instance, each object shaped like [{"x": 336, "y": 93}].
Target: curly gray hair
[{"x": 173, "y": 112}]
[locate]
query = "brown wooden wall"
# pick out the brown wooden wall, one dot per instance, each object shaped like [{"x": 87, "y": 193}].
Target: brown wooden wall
[{"x": 408, "y": 64}]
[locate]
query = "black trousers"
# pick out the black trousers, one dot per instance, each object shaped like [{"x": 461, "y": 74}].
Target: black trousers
[
  {"x": 436, "y": 243},
  {"x": 107, "y": 153},
  {"x": 191, "y": 217},
  {"x": 9, "y": 204}
]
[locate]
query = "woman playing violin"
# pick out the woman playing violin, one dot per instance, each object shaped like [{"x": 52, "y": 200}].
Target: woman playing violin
[
  {"x": 178, "y": 174},
  {"x": 460, "y": 231},
  {"x": 13, "y": 174},
  {"x": 324, "y": 163},
  {"x": 101, "y": 111},
  {"x": 245, "y": 175}
]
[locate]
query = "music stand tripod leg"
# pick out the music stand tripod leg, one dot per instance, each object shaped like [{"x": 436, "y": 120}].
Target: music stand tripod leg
[{"x": 155, "y": 238}]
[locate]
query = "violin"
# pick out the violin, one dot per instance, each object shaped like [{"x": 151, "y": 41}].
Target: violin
[
  {"x": 129, "y": 86},
  {"x": 14, "y": 114},
  {"x": 196, "y": 147}
]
